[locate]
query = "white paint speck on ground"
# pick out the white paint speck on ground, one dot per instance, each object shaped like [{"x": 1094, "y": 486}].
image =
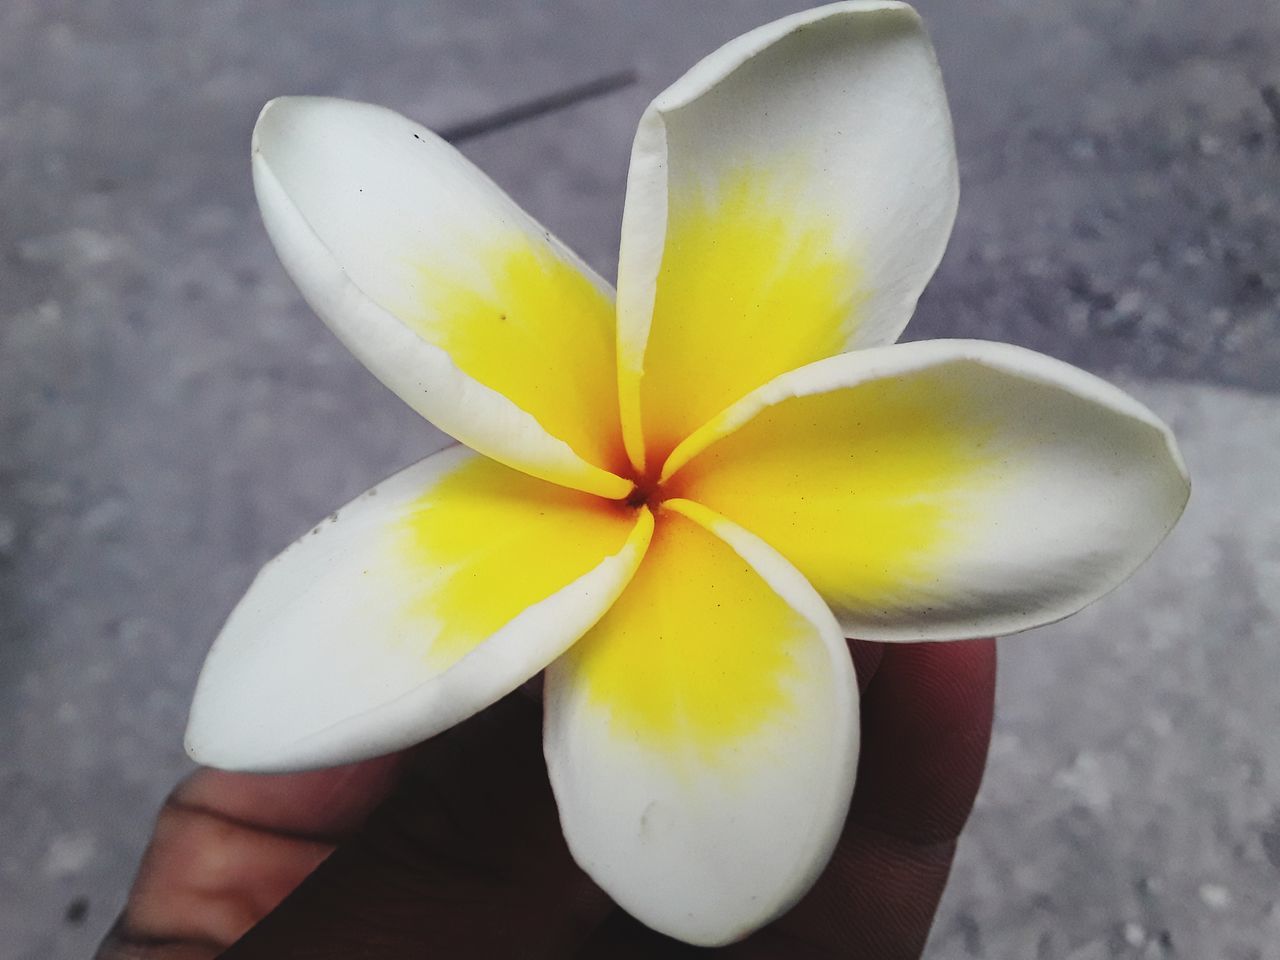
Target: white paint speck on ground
[
  {"x": 68, "y": 854},
  {"x": 1215, "y": 896},
  {"x": 1134, "y": 935}
]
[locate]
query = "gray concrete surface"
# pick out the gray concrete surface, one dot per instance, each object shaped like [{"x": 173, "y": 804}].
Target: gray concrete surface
[{"x": 171, "y": 415}]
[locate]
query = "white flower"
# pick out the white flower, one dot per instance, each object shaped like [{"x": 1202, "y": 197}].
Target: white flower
[{"x": 680, "y": 507}]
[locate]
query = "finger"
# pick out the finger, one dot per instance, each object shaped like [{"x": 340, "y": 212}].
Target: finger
[
  {"x": 466, "y": 858},
  {"x": 229, "y": 847}
]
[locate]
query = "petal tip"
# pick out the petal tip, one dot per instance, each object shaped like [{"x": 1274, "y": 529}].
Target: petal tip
[
  {"x": 204, "y": 740},
  {"x": 271, "y": 106},
  {"x": 201, "y": 746}
]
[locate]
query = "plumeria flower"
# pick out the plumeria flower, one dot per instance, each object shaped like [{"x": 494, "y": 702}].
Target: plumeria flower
[{"x": 677, "y": 501}]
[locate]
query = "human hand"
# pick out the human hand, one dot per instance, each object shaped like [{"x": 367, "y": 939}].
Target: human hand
[{"x": 454, "y": 849}]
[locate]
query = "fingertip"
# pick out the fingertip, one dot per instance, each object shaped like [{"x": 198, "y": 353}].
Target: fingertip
[{"x": 926, "y": 728}]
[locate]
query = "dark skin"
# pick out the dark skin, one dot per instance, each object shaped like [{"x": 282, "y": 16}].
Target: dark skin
[{"x": 454, "y": 849}]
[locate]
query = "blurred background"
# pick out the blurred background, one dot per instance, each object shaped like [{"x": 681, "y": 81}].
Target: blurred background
[{"x": 171, "y": 414}]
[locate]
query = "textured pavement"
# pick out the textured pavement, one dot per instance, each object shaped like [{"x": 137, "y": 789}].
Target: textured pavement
[{"x": 171, "y": 415}]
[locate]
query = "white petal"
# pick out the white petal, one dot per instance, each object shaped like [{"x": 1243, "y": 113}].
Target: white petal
[
  {"x": 944, "y": 489},
  {"x": 788, "y": 199},
  {"x": 417, "y": 604},
  {"x": 447, "y": 291},
  {"x": 702, "y": 738}
]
